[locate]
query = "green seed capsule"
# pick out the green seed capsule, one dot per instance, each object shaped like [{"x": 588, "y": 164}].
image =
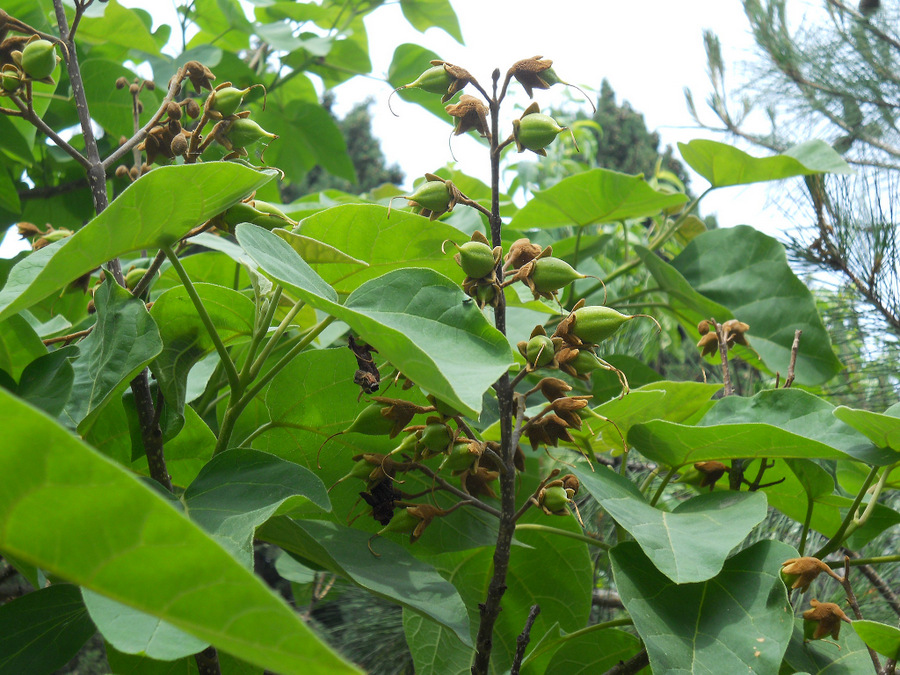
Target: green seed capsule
[
  {"x": 133, "y": 277},
  {"x": 485, "y": 295},
  {"x": 371, "y": 422},
  {"x": 10, "y": 78},
  {"x": 434, "y": 439},
  {"x": 259, "y": 213},
  {"x": 227, "y": 100},
  {"x": 586, "y": 362},
  {"x": 535, "y": 132},
  {"x": 551, "y": 274},
  {"x": 597, "y": 323},
  {"x": 403, "y": 521},
  {"x": 555, "y": 499},
  {"x": 539, "y": 351},
  {"x": 39, "y": 59},
  {"x": 433, "y": 195},
  {"x": 476, "y": 259},
  {"x": 435, "y": 80},
  {"x": 244, "y": 131},
  {"x": 460, "y": 458}
]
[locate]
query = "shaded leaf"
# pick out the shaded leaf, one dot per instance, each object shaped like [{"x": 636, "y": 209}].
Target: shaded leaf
[
  {"x": 435, "y": 650},
  {"x": 42, "y": 630},
  {"x": 395, "y": 575},
  {"x": 157, "y": 209},
  {"x": 315, "y": 251},
  {"x": 595, "y": 196},
  {"x": 19, "y": 345},
  {"x": 143, "y": 553},
  {"x": 133, "y": 632},
  {"x": 739, "y": 621},
  {"x": 124, "y": 340},
  {"x": 240, "y": 489},
  {"x": 723, "y": 164},
  {"x": 691, "y": 543},
  {"x": 593, "y": 652},
  {"x": 119, "y": 26},
  {"x": 819, "y": 657},
  {"x": 47, "y": 381}
]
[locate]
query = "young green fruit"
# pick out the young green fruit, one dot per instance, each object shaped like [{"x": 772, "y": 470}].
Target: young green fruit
[
  {"x": 433, "y": 195},
  {"x": 403, "y": 521},
  {"x": 460, "y": 458},
  {"x": 371, "y": 422},
  {"x": 539, "y": 351},
  {"x": 434, "y": 439},
  {"x": 133, "y": 277},
  {"x": 257, "y": 212},
  {"x": 535, "y": 132},
  {"x": 586, "y": 362},
  {"x": 597, "y": 323},
  {"x": 435, "y": 80},
  {"x": 555, "y": 499},
  {"x": 39, "y": 59},
  {"x": 476, "y": 259},
  {"x": 227, "y": 100},
  {"x": 485, "y": 295},
  {"x": 10, "y": 78},
  {"x": 244, "y": 131},
  {"x": 550, "y": 274}
]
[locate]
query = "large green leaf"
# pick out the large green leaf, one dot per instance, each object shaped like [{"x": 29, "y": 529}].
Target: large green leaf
[
  {"x": 143, "y": 552},
  {"x": 672, "y": 401},
  {"x": 691, "y": 543},
  {"x": 41, "y": 631},
  {"x": 746, "y": 272},
  {"x": 424, "y": 14},
  {"x": 395, "y": 575},
  {"x": 157, "y": 209},
  {"x": 119, "y": 26},
  {"x": 722, "y": 164},
  {"x": 134, "y": 632},
  {"x": 882, "y": 638},
  {"x": 365, "y": 231},
  {"x": 416, "y": 318},
  {"x": 800, "y": 413},
  {"x": 678, "y": 444},
  {"x": 595, "y": 196},
  {"x": 124, "y": 340},
  {"x": 882, "y": 429},
  {"x": 739, "y": 621},
  {"x": 185, "y": 339},
  {"x": 238, "y": 490}
]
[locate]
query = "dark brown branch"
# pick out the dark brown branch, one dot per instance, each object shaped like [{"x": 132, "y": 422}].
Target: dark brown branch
[
  {"x": 854, "y": 605},
  {"x": 207, "y": 661},
  {"x": 631, "y": 666},
  {"x": 602, "y": 597},
  {"x": 880, "y": 585},
  {"x": 490, "y": 608},
  {"x": 523, "y": 639},
  {"x": 29, "y": 115},
  {"x": 69, "y": 337},
  {"x": 53, "y": 190}
]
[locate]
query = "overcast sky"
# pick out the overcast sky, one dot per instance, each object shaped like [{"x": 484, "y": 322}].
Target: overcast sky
[{"x": 649, "y": 51}]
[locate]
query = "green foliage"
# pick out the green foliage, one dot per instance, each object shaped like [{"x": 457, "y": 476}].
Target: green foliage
[{"x": 162, "y": 456}]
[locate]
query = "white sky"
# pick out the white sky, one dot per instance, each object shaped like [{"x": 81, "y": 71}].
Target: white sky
[{"x": 649, "y": 51}]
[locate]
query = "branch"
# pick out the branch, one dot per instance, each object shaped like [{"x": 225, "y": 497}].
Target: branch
[
  {"x": 794, "y": 349},
  {"x": 523, "y": 639},
  {"x": 29, "y": 115},
  {"x": 631, "y": 666}
]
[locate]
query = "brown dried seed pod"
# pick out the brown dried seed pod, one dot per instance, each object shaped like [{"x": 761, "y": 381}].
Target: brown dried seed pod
[
  {"x": 121, "y": 171},
  {"x": 179, "y": 145},
  {"x": 173, "y": 110},
  {"x": 192, "y": 108},
  {"x": 133, "y": 89},
  {"x": 121, "y": 83}
]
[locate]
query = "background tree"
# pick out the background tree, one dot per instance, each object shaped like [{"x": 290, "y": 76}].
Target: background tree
[{"x": 833, "y": 75}]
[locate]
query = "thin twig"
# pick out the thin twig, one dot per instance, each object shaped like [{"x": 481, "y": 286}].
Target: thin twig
[
  {"x": 631, "y": 666},
  {"x": 875, "y": 579},
  {"x": 477, "y": 503},
  {"x": 794, "y": 349},
  {"x": 29, "y": 115},
  {"x": 523, "y": 639},
  {"x": 69, "y": 337},
  {"x": 854, "y": 605}
]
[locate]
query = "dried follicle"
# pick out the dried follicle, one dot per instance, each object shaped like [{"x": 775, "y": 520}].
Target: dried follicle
[
  {"x": 537, "y": 73},
  {"x": 822, "y": 619}
]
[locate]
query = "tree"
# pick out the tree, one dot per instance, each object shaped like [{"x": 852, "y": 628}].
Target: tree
[
  {"x": 339, "y": 389},
  {"x": 833, "y": 76}
]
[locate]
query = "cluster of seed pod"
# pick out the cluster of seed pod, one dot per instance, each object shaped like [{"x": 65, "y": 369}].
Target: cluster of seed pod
[
  {"x": 26, "y": 58},
  {"x": 171, "y": 136},
  {"x": 440, "y": 435}
]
